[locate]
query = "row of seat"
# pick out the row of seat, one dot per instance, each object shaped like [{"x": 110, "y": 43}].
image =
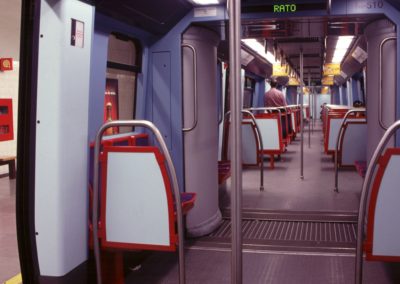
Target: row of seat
[
  {"x": 278, "y": 127},
  {"x": 347, "y": 137}
]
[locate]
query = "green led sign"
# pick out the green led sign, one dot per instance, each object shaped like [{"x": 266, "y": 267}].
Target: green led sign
[{"x": 285, "y": 8}]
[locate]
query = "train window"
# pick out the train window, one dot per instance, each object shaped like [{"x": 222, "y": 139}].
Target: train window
[
  {"x": 123, "y": 65},
  {"x": 249, "y": 85}
]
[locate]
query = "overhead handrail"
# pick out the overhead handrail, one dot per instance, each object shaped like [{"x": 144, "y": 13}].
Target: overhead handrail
[
  {"x": 175, "y": 186},
  {"x": 338, "y": 138},
  {"x": 381, "y": 124},
  {"x": 365, "y": 193},
  {"x": 194, "y": 87},
  {"x": 259, "y": 140}
]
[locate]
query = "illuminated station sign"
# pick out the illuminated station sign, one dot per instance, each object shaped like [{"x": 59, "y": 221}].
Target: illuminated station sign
[
  {"x": 285, "y": 6},
  {"x": 282, "y": 8}
]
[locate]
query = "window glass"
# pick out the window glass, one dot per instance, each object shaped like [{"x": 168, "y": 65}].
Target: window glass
[{"x": 122, "y": 69}]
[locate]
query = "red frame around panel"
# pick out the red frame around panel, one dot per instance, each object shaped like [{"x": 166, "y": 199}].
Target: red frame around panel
[
  {"x": 369, "y": 241},
  {"x": 160, "y": 160},
  {"x": 281, "y": 143},
  {"x": 131, "y": 139},
  {"x": 341, "y": 143},
  {"x": 257, "y": 146},
  {"x": 7, "y": 120}
]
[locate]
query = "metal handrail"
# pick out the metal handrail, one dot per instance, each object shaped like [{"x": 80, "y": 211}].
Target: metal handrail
[
  {"x": 365, "y": 193},
  {"x": 338, "y": 139},
  {"x": 259, "y": 140},
  {"x": 380, "y": 120},
  {"x": 175, "y": 186},
  {"x": 194, "y": 88},
  {"x": 262, "y": 108}
]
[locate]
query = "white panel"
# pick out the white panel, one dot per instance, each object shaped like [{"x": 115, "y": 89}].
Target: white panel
[
  {"x": 386, "y": 228},
  {"x": 249, "y": 145},
  {"x": 137, "y": 210},
  {"x": 269, "y": 133},
  {"x": 354, "y": 144},
  {"x": 333, "y": 132},
  {"x": 334, "y": 127},
  {"x": 62, "y": 138}
]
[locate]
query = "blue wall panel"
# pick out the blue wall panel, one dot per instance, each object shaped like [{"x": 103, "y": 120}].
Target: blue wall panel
[{"x": 161, "y": 93}]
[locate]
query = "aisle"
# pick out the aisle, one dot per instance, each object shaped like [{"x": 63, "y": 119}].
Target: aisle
[{"x": 284, "y": 190}]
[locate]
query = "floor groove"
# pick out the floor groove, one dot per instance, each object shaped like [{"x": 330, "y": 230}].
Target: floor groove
[{"x": 318, "y": 232}]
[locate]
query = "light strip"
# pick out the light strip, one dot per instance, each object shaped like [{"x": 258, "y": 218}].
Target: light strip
[
  {"x": 342, "y": 45},
  {"x": 259, "y": 48},
  {"x": 205, "y": 2}
]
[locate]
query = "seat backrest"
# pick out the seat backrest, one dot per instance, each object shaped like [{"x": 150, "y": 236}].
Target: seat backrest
[
  {"x": 353, "y": 145},
  {"x": 271, "y": 131},
  {"x": 383, "y": 230},
  {"x": 137, "y": 209}
]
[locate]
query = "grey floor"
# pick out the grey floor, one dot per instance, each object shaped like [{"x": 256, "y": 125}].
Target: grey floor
[{"x": 9, "y": 262}]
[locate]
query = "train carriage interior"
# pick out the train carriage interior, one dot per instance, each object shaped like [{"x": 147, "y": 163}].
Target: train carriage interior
[{"x": 139, "y": 161}]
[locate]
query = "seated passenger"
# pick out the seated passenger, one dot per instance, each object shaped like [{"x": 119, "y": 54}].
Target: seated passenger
[{"x": 274, "y": 97}]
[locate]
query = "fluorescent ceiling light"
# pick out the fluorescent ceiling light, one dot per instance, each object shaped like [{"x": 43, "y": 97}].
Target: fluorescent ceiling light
[
  {"x": 206, "y": 2},
  {"x": 342, "y": 45},
  {"x": 259, "y": 48}
]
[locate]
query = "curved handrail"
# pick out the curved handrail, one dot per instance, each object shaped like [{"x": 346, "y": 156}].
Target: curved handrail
[
  {"x": 365, "y": 193},
  {"x": 381, "y": 124},
  {"x": 175, "y": 186},
  {"x": 338, "y": 139},
  {"x": 259, "y": 139},
  {"x": 268, "y": 109},
  {"x": 194, "y": 87}
]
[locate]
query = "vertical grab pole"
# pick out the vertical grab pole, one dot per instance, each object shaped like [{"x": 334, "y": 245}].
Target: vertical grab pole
[
  {"x": 236, "y": 129},
  {"x": 315, "y": 111},
  {"x": 96, "y": 246},
  {"x": 309, "y": 107},
  {"x": 301, "y": 117}
]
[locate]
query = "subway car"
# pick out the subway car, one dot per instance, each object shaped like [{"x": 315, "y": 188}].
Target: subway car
[{"x": 148, "y": 151}]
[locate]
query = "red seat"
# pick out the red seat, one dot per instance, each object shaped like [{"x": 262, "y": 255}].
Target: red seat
[{"x": 361, "y": 167}]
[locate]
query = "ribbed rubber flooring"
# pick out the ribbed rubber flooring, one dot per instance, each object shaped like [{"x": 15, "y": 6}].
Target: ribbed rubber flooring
[
  {"x": 291, "y": 231},
  {"x": 318, "y": 233}
]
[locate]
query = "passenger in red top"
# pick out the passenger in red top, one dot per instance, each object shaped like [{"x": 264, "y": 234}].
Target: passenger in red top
[{"x": 274, "y": 97}]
